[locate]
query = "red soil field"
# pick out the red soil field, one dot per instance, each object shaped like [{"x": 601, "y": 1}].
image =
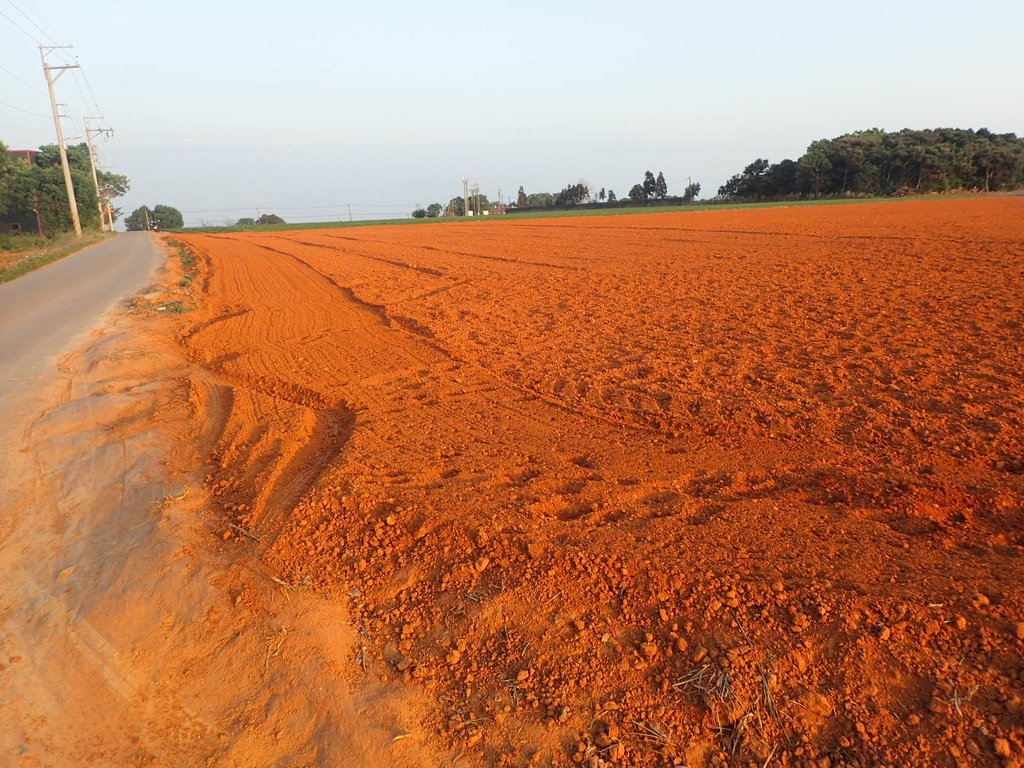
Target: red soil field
[{"x": 717, "y": 488}]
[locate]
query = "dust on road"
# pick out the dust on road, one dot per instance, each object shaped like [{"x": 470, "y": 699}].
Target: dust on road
[{"x": 126, "y": 637}]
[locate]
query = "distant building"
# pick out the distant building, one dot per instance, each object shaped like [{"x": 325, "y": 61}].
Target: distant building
[{"x": 27, "y": 156}]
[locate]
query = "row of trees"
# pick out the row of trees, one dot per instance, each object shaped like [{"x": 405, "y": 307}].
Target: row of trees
[
  {"x": 264, "y": 218},
  {"x": 433, "y": 210},
  {"x": 652, "y": 188},
  {"x": 167, "y": 217},
  {"x": 160, "y": 216},
  {"x": 878, "y": 163},
  {"x": 34, "y": 191}
]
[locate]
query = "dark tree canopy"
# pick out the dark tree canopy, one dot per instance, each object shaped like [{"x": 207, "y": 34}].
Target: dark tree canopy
[
  {"x": 167, "y": 217},
  {"x": 35, "y": 191},
  {"x": 160, "y": 216},
  {"x": 877, "y": 162},
  {"x": 660, "y": 187},
  {"x": 637, "y": 192},
  {"x": 138, "y": 220},
  {"x": 419, "y": 213},
  {"x": 649, "y": 186},
  {"x": 458, "y": 206},
  {"x": 521, "y": 200},
  {"x": 574, "y": 194},
  {"x": 245, "y": 221},
  {"x": 611, "y": 196},
  {"x": 270, "y": 218},
  {"x": 434, "y": 210}
]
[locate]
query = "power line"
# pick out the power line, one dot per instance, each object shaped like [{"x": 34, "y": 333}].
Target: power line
[
  {"x": 78, "y": 85},
  {"x": 301, "y": 207},
  {"x": 30, "y": 21},
  {"x": 88, "y": 87},
  {"x": 58, "y": 53},
  {"x": 28, "y": 34},
  {"x": 16, "y": 76},
  {"x": 26, "y": 111}
]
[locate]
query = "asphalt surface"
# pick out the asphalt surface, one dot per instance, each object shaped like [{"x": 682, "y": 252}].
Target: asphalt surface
[{"x": 51, "y": 310}]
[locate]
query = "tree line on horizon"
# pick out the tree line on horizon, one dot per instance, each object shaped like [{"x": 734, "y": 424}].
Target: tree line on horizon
[
  {"x": 651, "y": 189},
  {"x": 34, "y": 196},
  {"x": 878, "y": 163}
]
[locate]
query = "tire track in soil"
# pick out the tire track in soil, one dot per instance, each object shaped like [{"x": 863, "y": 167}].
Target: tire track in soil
[{"x": 281, "y": 435}]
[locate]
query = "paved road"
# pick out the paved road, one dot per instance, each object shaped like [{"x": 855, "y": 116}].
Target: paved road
[{"x": 49, "y": 311}]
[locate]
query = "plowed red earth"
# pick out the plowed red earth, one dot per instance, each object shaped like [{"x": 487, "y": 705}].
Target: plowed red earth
[{"x": 728, "y": 488}]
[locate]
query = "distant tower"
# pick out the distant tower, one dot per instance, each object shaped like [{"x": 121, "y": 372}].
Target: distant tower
[
  {"x": 476, "y": 197},
  {"x": 465, "y": 195}
]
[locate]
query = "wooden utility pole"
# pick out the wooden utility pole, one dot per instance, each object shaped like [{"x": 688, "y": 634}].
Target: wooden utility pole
[
  {"x": 50, "y": 80},
  {"x": 89, "y": 133}
]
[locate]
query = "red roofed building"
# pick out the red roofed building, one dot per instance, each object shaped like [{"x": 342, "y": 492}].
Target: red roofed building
[{"x": 25, "y": 155}]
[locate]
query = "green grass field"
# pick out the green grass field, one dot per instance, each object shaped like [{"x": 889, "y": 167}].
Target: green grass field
[{"x": 559, "y": 214}]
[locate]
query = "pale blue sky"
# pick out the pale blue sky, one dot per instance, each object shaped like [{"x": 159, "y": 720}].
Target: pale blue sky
[{"x": 298, "y": 107}]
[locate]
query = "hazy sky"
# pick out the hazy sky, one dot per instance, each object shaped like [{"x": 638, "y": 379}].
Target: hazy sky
[{"x": 302, "y": 108}]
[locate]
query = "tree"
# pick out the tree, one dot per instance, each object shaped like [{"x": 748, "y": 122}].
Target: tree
[
  {"x": 691, "y": 192},
  {"x": 521, "y": 201},
  {"x": 36, "y": 190},
  {"x": 540, "y": 200},
  {"x": 245, "y": 221},
  {"x": 602, "y": 195},
  {"x": 457, "y": 205},
  {"x": 434, "y": 210},
  {"x": 574, "y": 194},
  {"x": 611, "y": 196},
  {"x": 815, "y": 165},
  {"x": 782, "y": 180},
  {"x": 876, "y": 162},
  {"x": 649, "y": 187},
  {"x": 138, "y": 220},
  {"x": 168, "y": 217},
  {"x": 637, "y": 193},
  {"x": 270, "y": 218},
  {"x": 19, "y": 189},
  {"x": 112, "y": 185},
  {"x": 748, "y": 185},
  {"x": 419, "y": 213},
  {"x": 660, "y": 187}
]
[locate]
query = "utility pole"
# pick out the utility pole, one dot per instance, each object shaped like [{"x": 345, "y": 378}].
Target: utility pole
[
  {"x": 145, "y": 212},
  {"x": 50, "y": 80},
  {"x": 349, "y": 211},
  {"x": 89, "y": 133}
]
